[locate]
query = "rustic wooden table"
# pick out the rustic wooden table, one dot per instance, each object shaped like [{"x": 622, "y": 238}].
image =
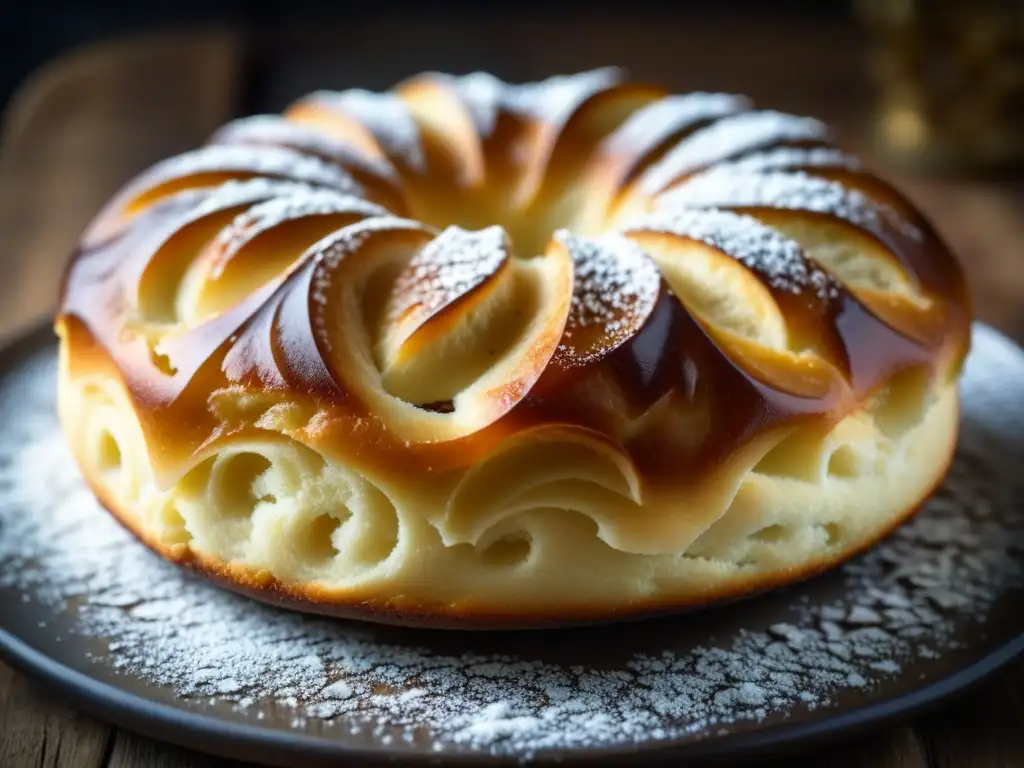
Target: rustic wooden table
[{"x": 82, "y": 125}]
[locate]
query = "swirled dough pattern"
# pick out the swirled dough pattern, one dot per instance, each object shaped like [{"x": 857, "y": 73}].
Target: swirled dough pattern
[{"x": 475, "y": 354}]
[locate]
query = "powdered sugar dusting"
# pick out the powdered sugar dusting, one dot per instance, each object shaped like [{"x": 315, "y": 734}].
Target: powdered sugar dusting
[
  {"x": 913, "y": 599},
  {"x": 279, "y": 162},
  {"x": 190, "y": 205},
  {"x": 327, "y": 254},
  {"x": 387, "y": 118},
  {"x": 726, "y": 138},
  {"x": 729, "y": 188},
  {"x": 552, "y": 100},
  {"x": 481, "y": 92},
  {"x": 779, "y": 261},
  {"x": 792, "y": 159},
  {"x": 299, "y": 204},
  {"x": 197, "y": 202},
  {"x": 556, "y": 98},
  {"x": 615, "y": 287},
  {"x": 656, "y": 123},
  {"x": 450, "y": 266},
  {"x": 275, "y": 129}
]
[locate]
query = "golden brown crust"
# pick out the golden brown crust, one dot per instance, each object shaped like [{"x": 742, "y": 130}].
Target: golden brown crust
[
  {"x": 394, "y": 610},
  {"x": 463, "y": 321}
]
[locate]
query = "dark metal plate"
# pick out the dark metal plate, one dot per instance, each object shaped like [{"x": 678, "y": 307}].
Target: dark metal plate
[{"x": 929, "y": 612}]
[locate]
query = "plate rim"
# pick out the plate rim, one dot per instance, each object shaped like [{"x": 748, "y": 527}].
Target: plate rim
[
  {"x": 245, "y": 740},
  {"x": 224, "y": 738}
]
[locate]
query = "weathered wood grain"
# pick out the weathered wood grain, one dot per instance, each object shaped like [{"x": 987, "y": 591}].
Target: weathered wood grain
[
  {"x": 898, "y": 747},
  {"x": 132, "y": 751},
  {"x": 983, "y": 730},
  {"x": 82, "y": 127},
  {"x": 37, "y": 730}
]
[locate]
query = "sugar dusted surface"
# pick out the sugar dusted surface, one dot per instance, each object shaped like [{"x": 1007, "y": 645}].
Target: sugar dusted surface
[
  {"x": 911, "y": 600},
  {"x": 194, "y": 204},
  {"x": 241, "y": 192},
  {"x": 451, "y": 265},
  {"x": 296, "y": 204},
  {"x": 275, "y": 129},
  {"x": 335, "y": 246},
  {"x": 779, "y": 260},
  {"x": 553, "y": 99},
  {"x": 793, "y": 158},
  {"x": 726, "y": 187},
  {"x": 726, "y": 138},
  {"x": 657, "y": 122},
  {"x": 328, "y": 253},
  {"x": 388, "y": 120},
  {"x": 481, "y": 92},
  {"x": 615, "y": 287},
  {"x": 266, "y": 161}
]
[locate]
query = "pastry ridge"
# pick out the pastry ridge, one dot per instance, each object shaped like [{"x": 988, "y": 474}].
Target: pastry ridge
[{"x": 474, "y": 354}]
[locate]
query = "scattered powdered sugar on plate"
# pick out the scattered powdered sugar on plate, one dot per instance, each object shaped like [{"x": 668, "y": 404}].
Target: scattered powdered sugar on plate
[{"x": 905, "y": 602}]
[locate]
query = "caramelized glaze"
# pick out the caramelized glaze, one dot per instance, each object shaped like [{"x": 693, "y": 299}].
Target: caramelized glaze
[{"x": 317, "y": 215}]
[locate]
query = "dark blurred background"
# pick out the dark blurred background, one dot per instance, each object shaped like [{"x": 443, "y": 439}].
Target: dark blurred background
[
  {"x": 938, "y": 83},
  {"x": 33, "y": 32}
]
